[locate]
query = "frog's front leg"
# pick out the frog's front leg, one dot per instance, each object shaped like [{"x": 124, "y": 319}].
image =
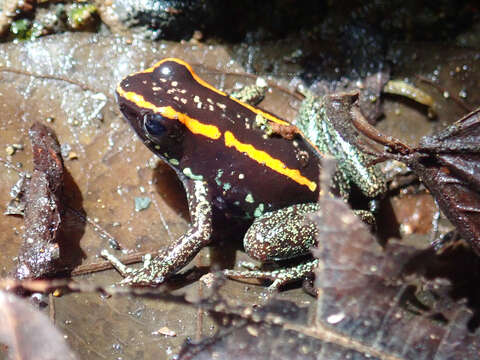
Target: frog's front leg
[{"x": 181, "y": 252}]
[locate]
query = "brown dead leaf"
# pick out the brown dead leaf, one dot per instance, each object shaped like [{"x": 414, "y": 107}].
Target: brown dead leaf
[{"x": 366, "y": 299}]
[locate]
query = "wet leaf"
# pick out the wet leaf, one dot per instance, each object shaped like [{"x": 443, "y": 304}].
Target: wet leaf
[{"x": 241, "y": 337}]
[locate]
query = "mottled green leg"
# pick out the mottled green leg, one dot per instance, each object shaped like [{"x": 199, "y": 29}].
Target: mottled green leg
[
  {"x": 279, "y": 235},
  {"x": 174, "y": 257},
  {"x": 283, "y": 234},
  {"x": 319, "y": 119},
  {"x": 279, "y": 277}
]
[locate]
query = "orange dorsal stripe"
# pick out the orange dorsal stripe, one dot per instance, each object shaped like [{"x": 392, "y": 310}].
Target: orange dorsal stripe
[
  {"x": 194, "y": 125},
  {"x": 264, "y": 158}
]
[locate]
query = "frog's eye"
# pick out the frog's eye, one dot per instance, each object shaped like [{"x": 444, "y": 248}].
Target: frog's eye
[{"x": 153, "y": 124}]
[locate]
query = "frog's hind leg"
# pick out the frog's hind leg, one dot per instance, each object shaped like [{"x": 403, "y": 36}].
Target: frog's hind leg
[
  {"x": 278, "y": 235},
  {"x": 284, "y": 234}
]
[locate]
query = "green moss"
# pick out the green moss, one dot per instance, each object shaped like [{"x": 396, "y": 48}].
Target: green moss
[{"x": 21, "y": 29}]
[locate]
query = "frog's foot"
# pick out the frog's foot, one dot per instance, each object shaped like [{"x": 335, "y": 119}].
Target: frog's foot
[
  {"x": 144, "y": 276},
  {"x": 247, "y": 265},
  {"x": 279, "y": 277}
]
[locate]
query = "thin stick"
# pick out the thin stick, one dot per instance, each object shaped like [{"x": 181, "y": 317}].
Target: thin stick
[
  {"x": 51, "y": 310},
  {"x": 47, "y": 77},
  {"x": 107, "y": 265},
  {"x": 102, "y": 233},
  {"x": 371, "y": 132}
]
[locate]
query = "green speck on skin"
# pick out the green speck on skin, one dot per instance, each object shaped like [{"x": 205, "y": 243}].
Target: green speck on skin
[
  {"x": 174, "y": 162},
  {"x": 263, "y": 124},
  {"x": 219, "y": 175},
  {"x": 142, "y": 203},
  {"x": 260, "y": 120},
  {"x": 188, "y": 173},
  {"x": 249, "y": 198},
  {"x": 259, "y": 210},
  {"x": 227, "y": 186}
]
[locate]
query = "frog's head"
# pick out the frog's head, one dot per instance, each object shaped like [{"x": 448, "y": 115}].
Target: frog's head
[{"x": 155, "y": 104}]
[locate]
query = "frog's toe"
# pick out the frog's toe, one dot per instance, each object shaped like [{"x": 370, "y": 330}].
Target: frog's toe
[
  {"x": 248, "y": 265},
  {"x": 282, "y": 277},
  {"x": 144, "y": 276},
  {"x": 141, "y": 278},
  {"x": 278, "y": 283},
  {"x": 129, "y": 280},
  {"x": 246, "y": 274},
  {"x": 116, "y": 263}
]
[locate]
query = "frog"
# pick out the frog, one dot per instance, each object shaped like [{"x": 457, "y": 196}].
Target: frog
[{"x": 239, "y": 165}]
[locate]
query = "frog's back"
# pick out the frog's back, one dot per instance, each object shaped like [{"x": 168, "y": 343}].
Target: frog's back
[{"x": 207, "y": 135}]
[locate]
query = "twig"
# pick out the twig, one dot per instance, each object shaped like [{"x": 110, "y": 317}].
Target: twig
[
  {"x": 51, "y": 309},
  {"x": 371, "y": 132},
  {"x": 11, "y": 166},
  {"x": 106, "y": 265},
  {"x": 48, "y": 77}
]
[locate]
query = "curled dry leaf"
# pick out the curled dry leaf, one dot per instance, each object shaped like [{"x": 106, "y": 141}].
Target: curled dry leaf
[
  {"x": 29, "y": 334},
  {"x": 43, "y": 208},
  {"x": 448, "y": 164}
]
